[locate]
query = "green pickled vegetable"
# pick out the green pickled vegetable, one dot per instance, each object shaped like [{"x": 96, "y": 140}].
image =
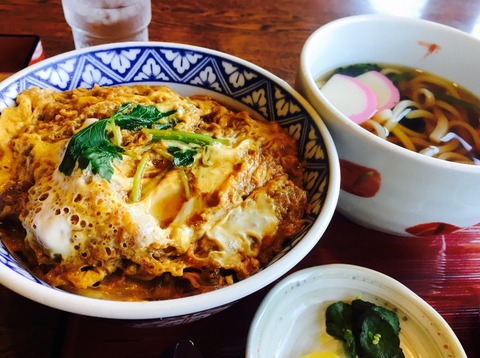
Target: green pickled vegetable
[{"x": 367, "y": 330}]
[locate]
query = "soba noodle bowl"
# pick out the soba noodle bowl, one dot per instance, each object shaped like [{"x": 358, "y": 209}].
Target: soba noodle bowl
[{"x": 434, "y": 116}]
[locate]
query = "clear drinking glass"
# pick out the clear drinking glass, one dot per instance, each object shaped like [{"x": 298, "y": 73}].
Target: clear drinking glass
[{"x": 96, "y": 22}]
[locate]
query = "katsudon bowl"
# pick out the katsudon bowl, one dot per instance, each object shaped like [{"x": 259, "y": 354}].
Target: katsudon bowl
[{"x": 190, "y": 71}]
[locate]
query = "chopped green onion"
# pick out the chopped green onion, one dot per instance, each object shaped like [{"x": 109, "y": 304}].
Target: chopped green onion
[
  {"x": 154, "y": 182},
  {"x": 137, "y": 179},
  {"x": 131, "y": 153},
  {"x": 163, "y": 153},
  {"x": 113, "y": 128},
  {"x": 185, "y": 137},
  {"x": 145, "y": 148},
  {"x": 184, "y": 178}
]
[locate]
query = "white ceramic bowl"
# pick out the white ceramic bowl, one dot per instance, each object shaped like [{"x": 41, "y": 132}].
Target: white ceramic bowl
[
  {"x": 290, "y": 321},
  {"x": 189, "y": 70},
  {"x": 417, "y": 195}
]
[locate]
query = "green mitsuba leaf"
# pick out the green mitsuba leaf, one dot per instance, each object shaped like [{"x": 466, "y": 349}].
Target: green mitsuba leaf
[
  {"x": 133, "y": 116},
  {"x": 92, "y": 147},
  {"x": 182, "y": 157},
  {"x": 456, "y": 101},
  {"x": 82, "y": 146},
  {"x": 100, "y": 159},
  {"x": 357, "y": 69}
]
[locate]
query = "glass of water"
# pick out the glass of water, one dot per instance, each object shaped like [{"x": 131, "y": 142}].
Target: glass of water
[{"x": 96, "y": 22}]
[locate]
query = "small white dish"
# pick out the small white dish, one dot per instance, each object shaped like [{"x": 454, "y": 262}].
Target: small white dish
[{"x": 290, "y": 322}]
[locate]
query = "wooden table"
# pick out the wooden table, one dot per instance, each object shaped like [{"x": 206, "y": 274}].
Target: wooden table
[{"x": 443, "y": 270}]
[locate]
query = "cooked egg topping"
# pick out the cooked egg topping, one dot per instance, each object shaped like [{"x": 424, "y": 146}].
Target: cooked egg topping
[{"x": 143, "y": 212}]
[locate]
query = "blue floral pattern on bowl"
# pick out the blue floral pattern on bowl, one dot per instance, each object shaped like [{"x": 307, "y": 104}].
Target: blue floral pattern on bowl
[{"x": 171, "y": 64}]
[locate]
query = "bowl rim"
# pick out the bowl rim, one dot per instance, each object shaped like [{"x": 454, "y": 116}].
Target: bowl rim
[
  {"x": 346, "y": 123},
  {"x": 178, "y": 307}
]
